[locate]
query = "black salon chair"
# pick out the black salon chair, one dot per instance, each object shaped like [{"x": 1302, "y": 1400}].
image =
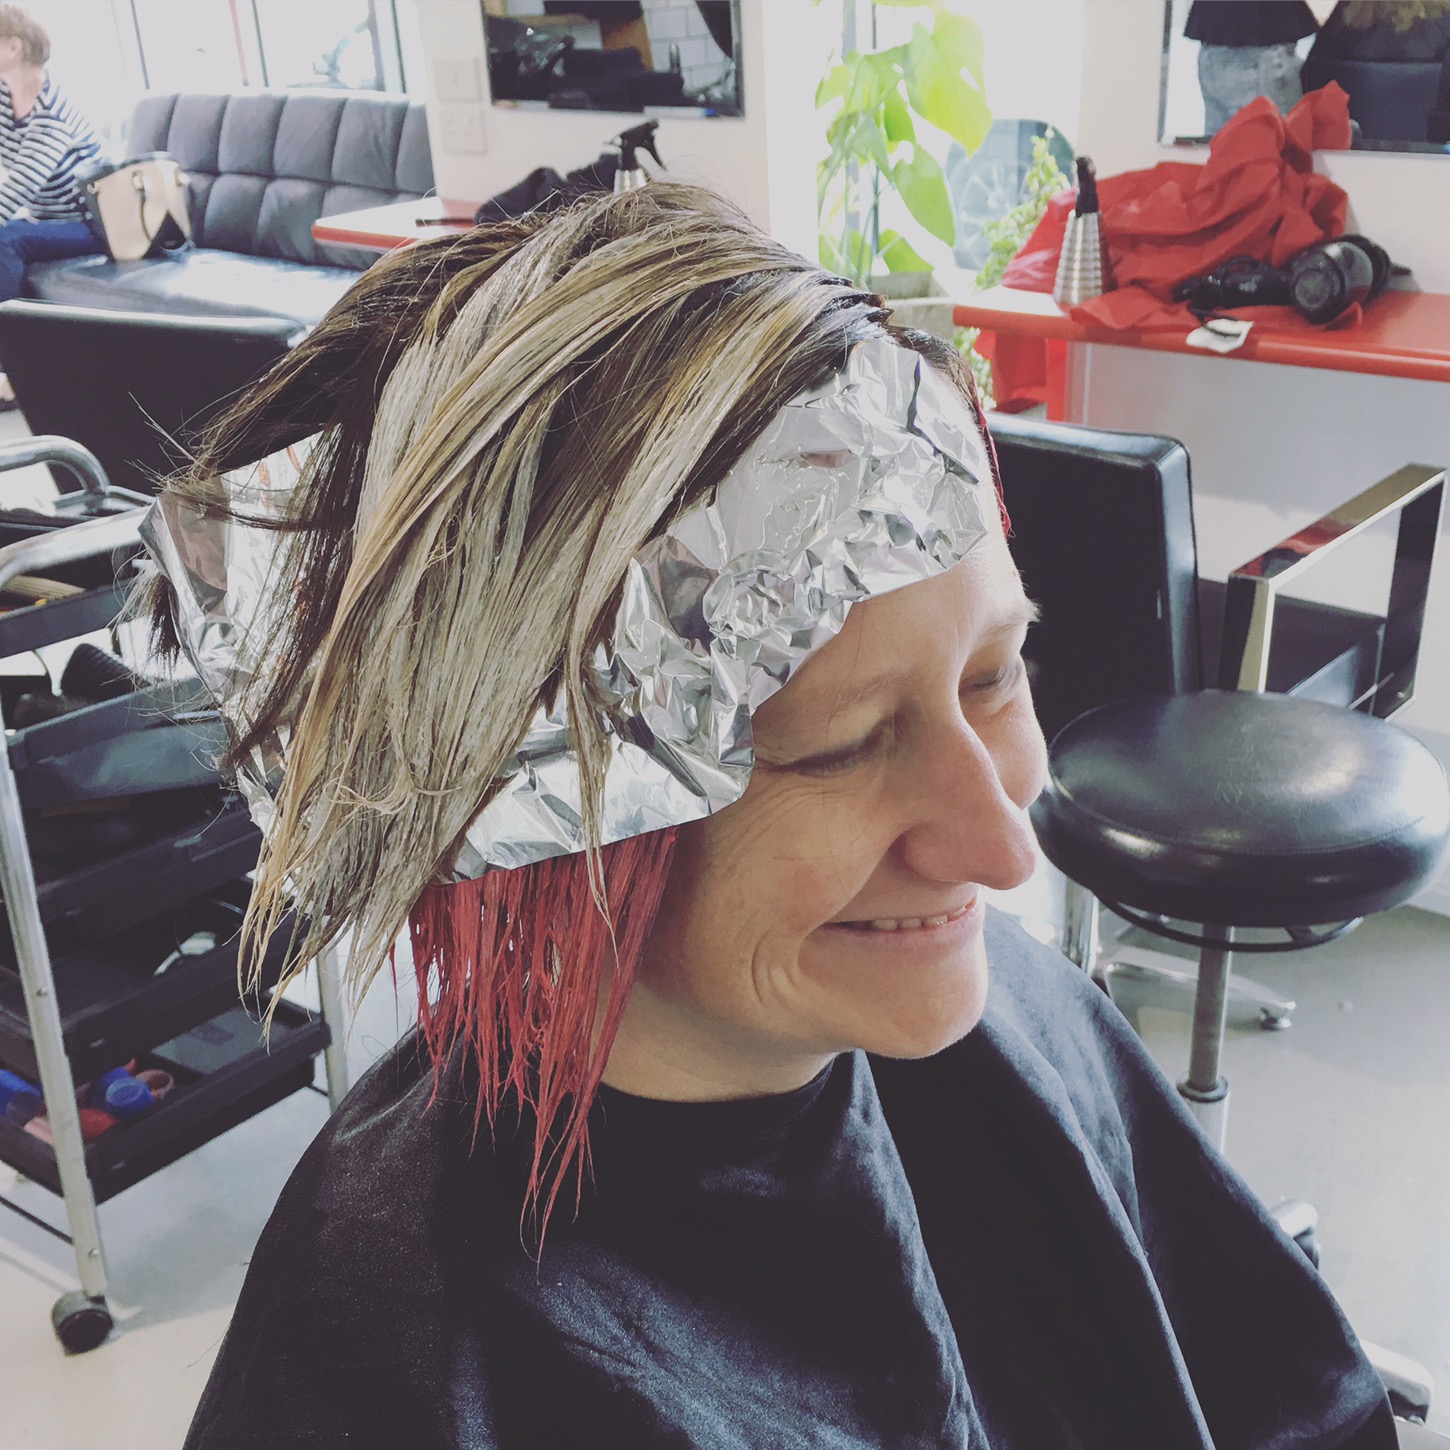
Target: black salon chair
[
  {"x": 1103, "y": 535},
  {"x": 134, "y": 388},
  {"x": 1265, "y": 804},
  {"x": 1231, "y": 808}
]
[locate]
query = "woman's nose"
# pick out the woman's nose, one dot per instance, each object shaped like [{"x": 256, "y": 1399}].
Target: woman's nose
[{"x": 970, "y": 805}]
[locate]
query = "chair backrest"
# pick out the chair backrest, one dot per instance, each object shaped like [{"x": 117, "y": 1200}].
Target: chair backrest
[
  {"x": 132, "y": 387},
  {"x": 1102, "y": 531}
]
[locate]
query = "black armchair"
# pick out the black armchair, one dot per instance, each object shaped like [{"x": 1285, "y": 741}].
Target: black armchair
[{"x": 132, "y": 387}]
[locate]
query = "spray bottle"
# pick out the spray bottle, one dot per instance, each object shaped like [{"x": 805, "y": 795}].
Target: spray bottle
[{"x": 631, "y": 175}]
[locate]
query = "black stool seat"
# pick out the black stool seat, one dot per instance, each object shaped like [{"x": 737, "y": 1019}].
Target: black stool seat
[{"x": 1243, "y": 809}]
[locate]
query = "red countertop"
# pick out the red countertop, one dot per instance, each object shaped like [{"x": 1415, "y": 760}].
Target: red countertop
[{"x": 1402, "y": 334}]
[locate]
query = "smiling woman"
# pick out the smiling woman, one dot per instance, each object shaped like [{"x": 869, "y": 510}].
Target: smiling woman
[
  {"x": 838, "y": 903},
  {"x": 619, "y": 603}
]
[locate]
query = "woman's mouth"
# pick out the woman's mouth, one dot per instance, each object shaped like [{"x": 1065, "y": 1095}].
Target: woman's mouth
[{"x": 885, "y": 924}]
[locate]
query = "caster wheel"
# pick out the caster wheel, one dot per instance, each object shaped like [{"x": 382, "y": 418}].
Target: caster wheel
[
  {"x": 80, "y": 1322},
  {"x": 1308, "y": 1241},
  {"x": 1274, "y": 1021}
]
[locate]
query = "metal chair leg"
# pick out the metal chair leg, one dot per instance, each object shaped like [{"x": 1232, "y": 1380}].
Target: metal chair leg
[
  {"x": 1081, "y": 940},
  {"x": 334, "y": 1013},
  {"x": 17, "y": 884},
  {"x": 1205, "y": 1089}
]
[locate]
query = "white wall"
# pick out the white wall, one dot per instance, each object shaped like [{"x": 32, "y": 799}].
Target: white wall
[
  {"x": 1275, "y": 447},
  {"x": 765, "y": 161}
]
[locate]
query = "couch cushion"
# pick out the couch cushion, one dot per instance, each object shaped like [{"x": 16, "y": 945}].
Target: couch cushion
[
  {"x": 193, "y": 132},
  {"x": 206, "y": 283},
  {"x": 233, "y": 209},
  {"x": 415, "y": 159},
  {"x": 307, "y": 137},
  {"x": 249, "y": 133}
]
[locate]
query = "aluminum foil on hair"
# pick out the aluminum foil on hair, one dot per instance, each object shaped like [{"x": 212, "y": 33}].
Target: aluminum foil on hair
[
  {"x": 224, "y": 585},
  {"x": 878, "y": 479}
]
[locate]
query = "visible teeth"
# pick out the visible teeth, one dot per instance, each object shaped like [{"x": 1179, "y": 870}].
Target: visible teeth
[{"x": 908, "y": 923}]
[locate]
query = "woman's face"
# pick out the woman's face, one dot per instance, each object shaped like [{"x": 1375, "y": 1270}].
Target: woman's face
[{"x": 837, "y": 904}]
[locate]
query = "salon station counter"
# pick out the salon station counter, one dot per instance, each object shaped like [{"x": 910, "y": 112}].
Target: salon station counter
[{"x": 1402, "y": 335}]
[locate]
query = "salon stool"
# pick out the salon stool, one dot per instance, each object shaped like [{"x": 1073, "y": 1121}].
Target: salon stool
[{"x": 1235, "y": 809}]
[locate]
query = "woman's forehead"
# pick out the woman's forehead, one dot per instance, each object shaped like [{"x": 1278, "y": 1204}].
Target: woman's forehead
[{"x": 935, "y": 625}]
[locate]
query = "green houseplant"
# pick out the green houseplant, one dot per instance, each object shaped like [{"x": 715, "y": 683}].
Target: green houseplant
[
  {"x": 879, "y": 98},
  {"x": 1005, "y": 238}
]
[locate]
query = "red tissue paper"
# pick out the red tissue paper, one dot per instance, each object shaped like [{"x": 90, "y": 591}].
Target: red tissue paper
[{"x": 1257, "y": 195}]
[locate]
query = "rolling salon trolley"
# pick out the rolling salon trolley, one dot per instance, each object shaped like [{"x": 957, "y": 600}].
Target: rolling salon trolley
[{"x": 123, "y": 869}]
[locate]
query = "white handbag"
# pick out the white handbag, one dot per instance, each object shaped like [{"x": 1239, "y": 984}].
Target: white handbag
[{"x": 139, "y": 207}]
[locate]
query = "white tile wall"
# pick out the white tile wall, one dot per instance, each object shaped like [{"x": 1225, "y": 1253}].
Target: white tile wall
[{"x": 679, "y": 22}]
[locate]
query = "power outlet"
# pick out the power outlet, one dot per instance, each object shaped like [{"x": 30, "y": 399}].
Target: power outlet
[
  {"x": 461, "y": 128},
  {"x": 456, "y": 78}
]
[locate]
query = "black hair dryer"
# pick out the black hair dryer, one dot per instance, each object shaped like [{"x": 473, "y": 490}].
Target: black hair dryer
[{"x": 1319, "y": 282}]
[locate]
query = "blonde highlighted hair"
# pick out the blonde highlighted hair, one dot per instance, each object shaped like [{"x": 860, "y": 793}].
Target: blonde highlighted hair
[{"x": 505, "y": 419}]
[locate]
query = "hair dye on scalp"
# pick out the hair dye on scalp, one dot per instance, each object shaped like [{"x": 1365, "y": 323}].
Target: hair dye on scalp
[{"x": 504, "y": 420}]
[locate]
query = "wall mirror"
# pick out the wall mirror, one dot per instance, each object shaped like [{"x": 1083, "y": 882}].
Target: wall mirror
[
  {"x": 660, "y": 57},
  {"x": 1391, "y": 56}
]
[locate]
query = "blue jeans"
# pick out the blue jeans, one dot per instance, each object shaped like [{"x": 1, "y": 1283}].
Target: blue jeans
[
  {"x": 1230, "y": 76},
  {"x": 22, "y": 242}
]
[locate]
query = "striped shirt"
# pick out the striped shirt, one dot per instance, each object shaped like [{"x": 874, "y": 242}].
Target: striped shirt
[{"x": 41, "y": 153}]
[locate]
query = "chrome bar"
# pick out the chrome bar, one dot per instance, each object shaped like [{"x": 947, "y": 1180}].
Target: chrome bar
[
  {"x": 52, "y": 448},
  {"x": 1080, "y": 941},
  {"x": 1416, "y": 492},
  {"x": 1210, "y": 1012},
  {"x": 66, "y": 545},
  {"x": 329, "y": 991},
  {"x": 17, "y": 885}
]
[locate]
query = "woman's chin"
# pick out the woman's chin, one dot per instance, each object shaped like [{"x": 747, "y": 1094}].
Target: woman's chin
[
  {"x": 909, "y": 1014},
  {"x": 928, "y": 1033}
]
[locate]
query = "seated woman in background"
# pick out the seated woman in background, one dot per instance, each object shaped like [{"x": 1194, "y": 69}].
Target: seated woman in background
[
  {"x": 630, "y": 604},
  {"x": 43, "y": 142}
]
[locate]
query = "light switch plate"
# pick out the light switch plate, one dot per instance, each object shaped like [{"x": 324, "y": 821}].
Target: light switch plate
[
  {"x": 462, "y": 128},
  {"x": 456, "y": 78}
]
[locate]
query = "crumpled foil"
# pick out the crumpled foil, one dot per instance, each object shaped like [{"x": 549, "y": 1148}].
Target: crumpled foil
[{"x": 877, "y": 479}]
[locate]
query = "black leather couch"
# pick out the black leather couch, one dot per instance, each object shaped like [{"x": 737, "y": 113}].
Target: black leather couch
[{"x": 263, "y": 166}]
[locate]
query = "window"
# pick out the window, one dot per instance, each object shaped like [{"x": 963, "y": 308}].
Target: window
[{"x": 225, "y": 44}]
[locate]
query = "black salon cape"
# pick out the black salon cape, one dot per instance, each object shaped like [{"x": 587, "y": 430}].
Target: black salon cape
[{"x": 1023, "y": 1241}]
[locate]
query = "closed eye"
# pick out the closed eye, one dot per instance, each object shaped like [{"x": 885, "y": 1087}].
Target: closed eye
[
  {"x": 845, "y": 756},
  {"x": 1006, "y": 677}
]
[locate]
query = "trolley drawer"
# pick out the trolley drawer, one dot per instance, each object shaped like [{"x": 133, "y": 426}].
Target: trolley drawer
[
  {"x": 241, "y": 1076},
  {"x": 114, "y": 1003}
]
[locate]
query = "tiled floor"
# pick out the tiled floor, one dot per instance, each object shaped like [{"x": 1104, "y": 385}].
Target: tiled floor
[{"x": 1350, "y": 1109}]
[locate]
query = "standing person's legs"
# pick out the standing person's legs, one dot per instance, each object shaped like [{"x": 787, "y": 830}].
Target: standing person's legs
[
  {"x": 23, "y": 242},
  {"x": 1279, "y": 67},
  {"x": 1228, "y": 76}
]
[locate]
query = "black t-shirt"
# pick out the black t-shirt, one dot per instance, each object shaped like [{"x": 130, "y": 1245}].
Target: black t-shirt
[
  {"x": 1020, "y": 1242},
  {"x": 1249, "y": 22}
]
